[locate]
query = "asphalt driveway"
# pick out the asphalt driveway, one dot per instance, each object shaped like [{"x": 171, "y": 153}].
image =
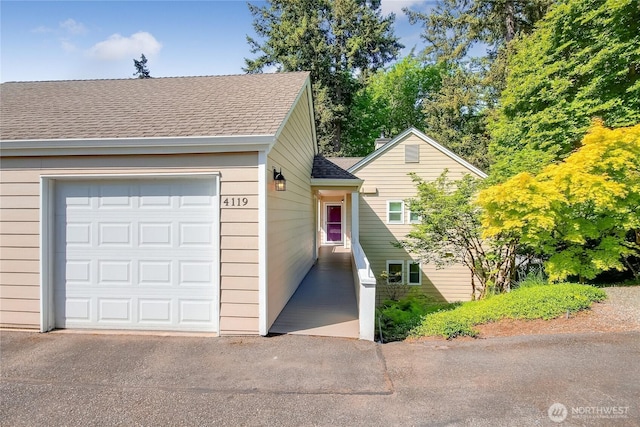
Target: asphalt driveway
[{"x": 85, "y": 379}]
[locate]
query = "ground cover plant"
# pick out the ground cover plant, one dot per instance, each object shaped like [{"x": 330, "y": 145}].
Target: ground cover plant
[
  {"x": 396, "y": 318},
  {"x": 527, "y": 302}
]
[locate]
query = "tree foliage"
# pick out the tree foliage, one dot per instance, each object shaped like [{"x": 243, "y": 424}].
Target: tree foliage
[
  {"x": 341, "y": 42},
  {"x": 452, "y": 27},
  {"x": 391, "y": 102},
  {"x": 578, "y": 213},
  {"x": 141, "y": 68},
  {"x": 582, "y": 61},
  {"x": 456, "y": 115},
  {"x": 450, "y": 232}
]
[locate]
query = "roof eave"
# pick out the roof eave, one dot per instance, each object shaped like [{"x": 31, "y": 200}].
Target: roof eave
[{"x": 136, "y": 146}]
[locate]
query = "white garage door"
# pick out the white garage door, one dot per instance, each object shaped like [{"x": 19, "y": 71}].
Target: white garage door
[{"x": 136, "y": 254}]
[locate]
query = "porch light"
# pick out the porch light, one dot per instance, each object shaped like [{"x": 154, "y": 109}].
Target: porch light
[{"x": 278, "y": 178}]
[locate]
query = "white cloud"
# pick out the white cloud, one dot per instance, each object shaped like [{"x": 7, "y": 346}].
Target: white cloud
[
  {"x": 71, "y": 26},
  {"x": 67, "y": 46},
  {"x": 117, "y": 47},
  {"x": 396, "y": 6},
  {"x": 42, "y": 29}
]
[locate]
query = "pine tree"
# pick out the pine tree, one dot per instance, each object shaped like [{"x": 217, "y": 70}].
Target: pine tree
[
  {"x": 141, "y": 68},
  {"x": 340, "y": 42}
]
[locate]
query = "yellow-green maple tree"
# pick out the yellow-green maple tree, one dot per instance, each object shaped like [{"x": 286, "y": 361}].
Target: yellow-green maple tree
[{"x": 578, "y": 214}]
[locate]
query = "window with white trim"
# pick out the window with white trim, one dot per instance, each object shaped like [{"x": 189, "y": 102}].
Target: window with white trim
[
  {"x": 395, "y": 212},
  {"x": 414, "y": 273},
  {"x": 414, "y": 218},
  {"x": 395, "y": 272}
]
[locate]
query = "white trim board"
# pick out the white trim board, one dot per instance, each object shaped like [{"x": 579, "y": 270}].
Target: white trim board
[
  {"x": 115, "y": 146},
  {"x": 263, "y": 312}
]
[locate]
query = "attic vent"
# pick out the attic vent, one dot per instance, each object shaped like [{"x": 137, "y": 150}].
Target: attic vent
[{"x": 411, "y": 153}]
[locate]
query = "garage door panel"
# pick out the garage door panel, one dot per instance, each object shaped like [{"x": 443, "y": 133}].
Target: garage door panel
[
  {"x": 195, "y": 273},
  {"x": 195, "y": 311},
  {"x": 155, "y": 234},
  {"x": 138, "y": 255},
  {"x": 155, "y": 310},
  {"x": 114, "y": 310},
  {"x": 158, "y": 273},
  {"x": 78, "y": 309},
  {"x": 112, "y": 272},
  {"x": 116, "y": 196},
  {"x": 195, "y": 234}
]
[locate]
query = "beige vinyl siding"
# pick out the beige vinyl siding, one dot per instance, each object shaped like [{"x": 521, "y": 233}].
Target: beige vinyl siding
[
  {"x": 388, "y": 173},
  {"x": 19, "y": 228},
  {"x": 19, "y": 252},
  {"x": 290, "y": 213}
]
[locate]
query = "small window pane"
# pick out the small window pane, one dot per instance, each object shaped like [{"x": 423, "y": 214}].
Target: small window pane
[
  {"x": 395, "y": 273},
  {"x": 414, "y": 273},
  {"x": 395, "y": 216},
  {"x": 396, "y": 212},
  {"x": 414, "y": 217}
]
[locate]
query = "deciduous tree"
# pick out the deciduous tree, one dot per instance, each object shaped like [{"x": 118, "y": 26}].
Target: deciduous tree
[
  {"x": 576, "y": 214},
  {"x": 450, "y": 232},
  {"x": 391, "y": 102},
  {"x": 582, "y": 62}
]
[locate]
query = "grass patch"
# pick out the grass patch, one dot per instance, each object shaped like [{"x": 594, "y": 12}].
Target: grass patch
[{"x": 529, "y": 302}]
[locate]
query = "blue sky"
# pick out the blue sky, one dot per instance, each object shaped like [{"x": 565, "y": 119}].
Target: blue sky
[{"x": 61, "y": 40}]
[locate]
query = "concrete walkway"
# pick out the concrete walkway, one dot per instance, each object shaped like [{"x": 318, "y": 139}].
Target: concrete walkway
[{"x": 325, "y": 302}]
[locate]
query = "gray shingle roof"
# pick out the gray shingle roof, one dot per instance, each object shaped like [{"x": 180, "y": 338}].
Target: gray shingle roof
[
  {"x": 253, "y": 104},
  {"x": 345, "y": 162},
  {"x": 323, "y": 168}
]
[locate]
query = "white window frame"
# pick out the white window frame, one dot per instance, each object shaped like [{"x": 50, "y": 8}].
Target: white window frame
[
  {"x": 399, "y": 262},
  {"x": 413, "y": 221},
  {"x": 389, "y": 221},
  {"x": 409, "y": 282},
  {"x": 343, "y": 222}
]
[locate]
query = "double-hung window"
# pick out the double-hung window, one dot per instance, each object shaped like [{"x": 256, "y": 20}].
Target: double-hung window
[
  {"x": 395, "y": 271},
  {"x": 414, "y": 273},
  {"x": 414, "y": 218},
  {"x": 395, "y": 212}
]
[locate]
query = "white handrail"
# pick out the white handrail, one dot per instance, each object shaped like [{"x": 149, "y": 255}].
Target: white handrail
[{"x": 362, "y": 264}]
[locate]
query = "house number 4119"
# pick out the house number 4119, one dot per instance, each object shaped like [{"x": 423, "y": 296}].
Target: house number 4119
[{"x": 234, "y": 202}]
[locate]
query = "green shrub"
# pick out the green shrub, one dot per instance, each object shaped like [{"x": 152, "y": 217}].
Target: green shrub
[
  {"x": 529, "y": 302},
  {"x": 395, "y": 318}
]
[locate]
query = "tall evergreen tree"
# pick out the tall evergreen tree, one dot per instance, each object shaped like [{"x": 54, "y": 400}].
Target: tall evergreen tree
[
  {"x": 341, "y": 42},
  {"x": 453, "y": 27},
  {"x": 141, "y": 68}
]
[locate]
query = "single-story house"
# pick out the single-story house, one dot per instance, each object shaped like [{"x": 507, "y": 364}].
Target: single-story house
[{"x": 192, "y": 204}]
